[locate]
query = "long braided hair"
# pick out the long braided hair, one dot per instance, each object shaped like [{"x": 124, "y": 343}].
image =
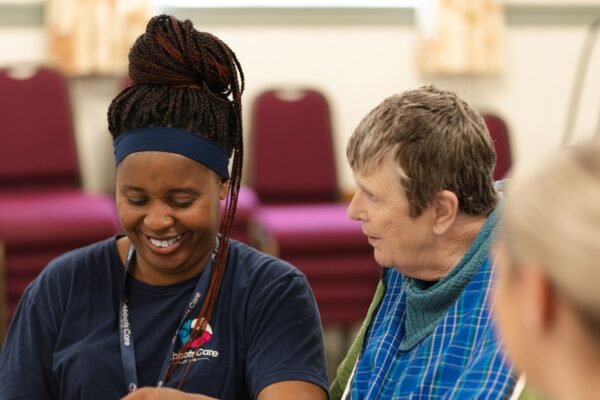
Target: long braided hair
[{"x": 183, "y": 78}]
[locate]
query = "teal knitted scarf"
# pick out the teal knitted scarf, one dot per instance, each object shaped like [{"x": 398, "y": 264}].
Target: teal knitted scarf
[{"x": 426, "y": 304}]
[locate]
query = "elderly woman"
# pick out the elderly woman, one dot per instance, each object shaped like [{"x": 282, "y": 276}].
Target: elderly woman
[
  {"x": 423, "y": 163},
  {"x": 172, "y": 302},
  {"x": 547, "y": 296}
]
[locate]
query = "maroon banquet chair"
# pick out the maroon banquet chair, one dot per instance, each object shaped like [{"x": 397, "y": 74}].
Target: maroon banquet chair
[
  {"x": 299, "y": 217},
  {"x": 292, "y": 157},
  {"x": 501, "y": 137},
  {"x": 43, "y": 211}
]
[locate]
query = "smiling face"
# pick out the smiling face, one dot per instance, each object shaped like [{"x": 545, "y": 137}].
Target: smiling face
[
  {"x": 169, "y": 207},
  {"x": 398, "y": 240}
]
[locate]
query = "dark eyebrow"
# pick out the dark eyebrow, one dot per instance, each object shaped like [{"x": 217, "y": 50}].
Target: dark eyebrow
[
  {"x": 183, "y": 190},
  {"x": 189, "y": 191},
  {"x": 129, "y": 188}
]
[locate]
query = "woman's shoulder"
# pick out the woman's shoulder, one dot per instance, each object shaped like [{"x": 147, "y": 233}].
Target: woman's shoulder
[
  {"x": 91, "y": 254},
  {"x": 72, "y": 273},
  {"x": 86, "y": 260},
  {"x": 258, "y": 281}
]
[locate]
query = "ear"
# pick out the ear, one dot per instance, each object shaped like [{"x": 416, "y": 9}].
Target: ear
[
  {"x": 445, "y": 208},
  {"x": 540, "y": 299},
  {"x": 223, "y": 189}
]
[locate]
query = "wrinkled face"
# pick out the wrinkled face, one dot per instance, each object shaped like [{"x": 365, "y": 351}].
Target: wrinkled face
[
  {"x": 510, "y": 311},
  {"x": 169, "y": 207},
  {"x": 399, "y": 241}
]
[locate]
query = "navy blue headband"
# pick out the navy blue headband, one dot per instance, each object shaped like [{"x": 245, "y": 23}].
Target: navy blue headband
[{"x": 173, "y": 140}]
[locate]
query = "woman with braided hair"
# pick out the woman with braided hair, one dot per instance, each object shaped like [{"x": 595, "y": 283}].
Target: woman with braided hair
[{"x": 173, "y": 303}]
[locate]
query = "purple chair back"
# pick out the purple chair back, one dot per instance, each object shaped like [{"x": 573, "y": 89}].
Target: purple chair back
[
  {"x": 30, "y": 156},
  {"x": 499, "y": 133},
  {"x": 43, "y": 211},
  {"x": 292, "y": 148}
]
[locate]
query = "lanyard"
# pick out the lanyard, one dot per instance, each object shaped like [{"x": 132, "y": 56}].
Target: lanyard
[{"x": 126, "y": 333}]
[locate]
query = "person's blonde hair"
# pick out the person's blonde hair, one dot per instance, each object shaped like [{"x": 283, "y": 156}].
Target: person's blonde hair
[{"x": 552, "y": 217}]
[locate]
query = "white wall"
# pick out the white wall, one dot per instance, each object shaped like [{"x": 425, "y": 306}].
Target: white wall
[{"x": 357, "y": 66}]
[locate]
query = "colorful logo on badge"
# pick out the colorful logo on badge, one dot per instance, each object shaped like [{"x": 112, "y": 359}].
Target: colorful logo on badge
[{"x": 186, "y": 329}]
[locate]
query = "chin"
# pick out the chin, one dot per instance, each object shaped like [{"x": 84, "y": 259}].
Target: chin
[{"x": 382, "y": 260}]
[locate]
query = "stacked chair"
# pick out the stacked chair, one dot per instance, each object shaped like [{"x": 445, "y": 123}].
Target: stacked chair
[
  {"x": 299, "y": 218},
  {"x": 43, "y": 210},
  {"x": 500, "y": 135}
]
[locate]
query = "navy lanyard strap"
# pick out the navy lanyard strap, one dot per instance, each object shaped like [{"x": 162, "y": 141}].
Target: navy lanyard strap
[{"x": 126, "y": 332}]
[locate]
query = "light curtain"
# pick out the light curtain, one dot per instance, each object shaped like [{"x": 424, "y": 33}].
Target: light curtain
[
  {"x": 89, "y": 37},
  {"x": 461, "y": 37}
]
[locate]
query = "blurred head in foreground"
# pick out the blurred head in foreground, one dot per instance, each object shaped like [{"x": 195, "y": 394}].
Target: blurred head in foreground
[{"x": 547, "y": 294}]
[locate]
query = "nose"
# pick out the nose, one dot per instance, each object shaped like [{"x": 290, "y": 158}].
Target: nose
[
  {"x": 158, "y": 217},
  {"x": 355, "y": 210}
]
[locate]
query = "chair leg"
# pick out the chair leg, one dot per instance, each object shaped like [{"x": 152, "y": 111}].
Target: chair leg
[
  {"x": 262, "y": 240},
  {"x": 334, "y": 348}
]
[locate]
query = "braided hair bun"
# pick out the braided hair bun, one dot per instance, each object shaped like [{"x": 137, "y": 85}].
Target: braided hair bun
[{"x": 181, "y": 78}]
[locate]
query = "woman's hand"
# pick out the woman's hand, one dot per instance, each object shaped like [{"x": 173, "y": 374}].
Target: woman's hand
[{"x": 150, "y": 393}]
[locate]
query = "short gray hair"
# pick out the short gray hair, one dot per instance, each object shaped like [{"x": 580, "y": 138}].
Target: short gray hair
[{"x": 438, "y": 141}]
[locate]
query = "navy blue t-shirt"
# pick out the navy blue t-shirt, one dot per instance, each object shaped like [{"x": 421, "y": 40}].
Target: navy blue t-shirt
[{"x": 63, "y": 342}]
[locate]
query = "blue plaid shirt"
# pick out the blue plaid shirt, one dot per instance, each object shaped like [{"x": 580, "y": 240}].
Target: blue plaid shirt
[{"x": 460, "y": 359}]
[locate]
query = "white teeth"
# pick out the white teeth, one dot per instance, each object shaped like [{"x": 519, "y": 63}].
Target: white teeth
[{"x": 164, "y": 243}]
